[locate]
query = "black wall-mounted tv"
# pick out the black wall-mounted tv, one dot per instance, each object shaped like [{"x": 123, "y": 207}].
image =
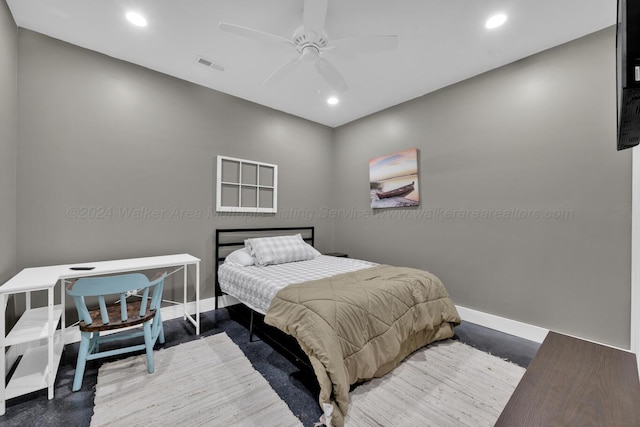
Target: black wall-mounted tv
[{"x": 628, "y": 73}]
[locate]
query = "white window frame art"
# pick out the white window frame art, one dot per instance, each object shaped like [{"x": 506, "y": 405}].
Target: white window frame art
[{"x": 248, "y": 184}]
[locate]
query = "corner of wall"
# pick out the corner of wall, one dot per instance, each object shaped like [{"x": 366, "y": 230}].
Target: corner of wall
[
  {"x": 634, "y": 341},
  {"x": 8, "y": 141}
]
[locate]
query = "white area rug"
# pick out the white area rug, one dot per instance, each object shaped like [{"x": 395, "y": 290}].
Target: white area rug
[
  {"x": 208, "y": 382},
  {"x": 444, "y": 384}
]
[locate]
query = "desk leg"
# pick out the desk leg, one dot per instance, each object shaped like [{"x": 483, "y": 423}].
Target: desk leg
[
  {"x": 197, "y": 298},
  {"x": 51, "y": 343},
  {"x": 185, "y": 314},
  {"x": 3, "y": 373},
  {"x": 184, "y": 291},
  {"x": 63, "y": 322}
]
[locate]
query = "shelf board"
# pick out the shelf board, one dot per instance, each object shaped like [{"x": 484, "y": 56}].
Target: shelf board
[
  {"x": 31, "y": 373},
  {"x": 32, "y": 326}
]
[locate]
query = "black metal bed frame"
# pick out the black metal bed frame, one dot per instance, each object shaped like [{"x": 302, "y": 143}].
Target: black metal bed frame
[
  {"x": 263, "y": 232},
  {"x": 232, "y": 242}
]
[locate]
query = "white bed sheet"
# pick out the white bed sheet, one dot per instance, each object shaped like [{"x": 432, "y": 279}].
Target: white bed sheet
[{"x": 256, "y": 286}]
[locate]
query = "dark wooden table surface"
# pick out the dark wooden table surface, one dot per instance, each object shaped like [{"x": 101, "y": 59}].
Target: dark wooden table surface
[{"x": 572, "y": 382}]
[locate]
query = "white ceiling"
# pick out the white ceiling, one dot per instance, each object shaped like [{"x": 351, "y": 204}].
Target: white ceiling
[{"x": 440, "y": 43}]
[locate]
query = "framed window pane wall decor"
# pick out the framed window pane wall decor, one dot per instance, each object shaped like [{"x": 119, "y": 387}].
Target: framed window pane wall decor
[{"x": 246, "y": 186}]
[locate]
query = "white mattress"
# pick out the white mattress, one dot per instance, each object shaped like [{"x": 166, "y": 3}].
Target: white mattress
[{"x": 256, "y": 286}]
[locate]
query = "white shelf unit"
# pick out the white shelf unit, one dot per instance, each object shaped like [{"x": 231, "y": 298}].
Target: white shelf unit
[
  {"x": 32, "y": 326},
  {"x": 32, "y": 373},
  {"x": 33, "y": 345}
]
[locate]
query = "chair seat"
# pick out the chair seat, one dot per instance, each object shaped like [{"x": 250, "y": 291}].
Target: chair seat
[{"x": 115, "y": 319}]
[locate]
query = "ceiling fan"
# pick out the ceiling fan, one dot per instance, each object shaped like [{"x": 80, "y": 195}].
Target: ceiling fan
[{"x": 312, "y": 45}]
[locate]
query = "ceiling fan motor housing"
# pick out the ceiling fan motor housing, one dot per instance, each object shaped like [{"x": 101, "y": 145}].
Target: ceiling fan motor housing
[{"x": 303, "y": 39}]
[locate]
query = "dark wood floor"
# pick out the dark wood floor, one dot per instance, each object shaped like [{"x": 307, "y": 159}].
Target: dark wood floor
[{"x": 572, "y": 382}]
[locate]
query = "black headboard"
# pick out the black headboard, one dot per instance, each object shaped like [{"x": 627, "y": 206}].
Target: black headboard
[{"x": 230, "y": 239}]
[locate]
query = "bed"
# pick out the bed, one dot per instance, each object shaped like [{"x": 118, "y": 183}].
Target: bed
[{"x": 354, "y": 319}]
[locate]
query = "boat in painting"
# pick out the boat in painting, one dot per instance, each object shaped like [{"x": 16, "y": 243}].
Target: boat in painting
[{"x": 397, "y": 192}]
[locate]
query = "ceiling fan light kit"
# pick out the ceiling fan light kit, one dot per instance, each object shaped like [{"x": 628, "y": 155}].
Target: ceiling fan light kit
[{"x": 312, "y": 45}]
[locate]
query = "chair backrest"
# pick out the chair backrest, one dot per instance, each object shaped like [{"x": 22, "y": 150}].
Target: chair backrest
[{"x": 103, "y": 287}]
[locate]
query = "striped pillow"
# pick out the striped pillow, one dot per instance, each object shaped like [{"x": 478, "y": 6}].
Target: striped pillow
[{"x": 279, "y": 249}]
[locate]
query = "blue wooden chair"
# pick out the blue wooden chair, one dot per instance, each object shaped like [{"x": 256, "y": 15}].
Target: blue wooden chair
[{"x": 141, "y": 309}]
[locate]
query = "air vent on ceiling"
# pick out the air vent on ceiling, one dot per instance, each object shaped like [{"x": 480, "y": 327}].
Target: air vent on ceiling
[{"x": 208, "y": 63}]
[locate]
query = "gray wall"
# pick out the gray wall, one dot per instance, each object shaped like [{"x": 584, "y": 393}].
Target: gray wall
[
  {"x": 538, "y": 134},
  {"x": 99, "y": 136},
  {"x": 8, "y": 140},
  {"x": 98, "y": 133}
]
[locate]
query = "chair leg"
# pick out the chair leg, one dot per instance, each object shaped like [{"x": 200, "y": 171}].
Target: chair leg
[
  {"x": 161, "y": 335},
  {"x": 95, "y": 343},
  {"x": 148, "y": 341},
  {"x": 85, "y": 339},
  {"x": 158, "y": 328}
]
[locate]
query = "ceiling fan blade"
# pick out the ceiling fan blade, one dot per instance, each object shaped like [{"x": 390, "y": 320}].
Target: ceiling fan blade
[
  {"x": 253, "y": 34},
  {"x": 331, "y": 75},
  {"x": 282, "y": 71},
  {"x": 315, "y": 13},
  {"x": 367, "y": 44}
]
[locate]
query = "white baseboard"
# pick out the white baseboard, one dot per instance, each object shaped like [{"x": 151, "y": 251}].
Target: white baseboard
[
  {"x": 72, "y": 333},
  {"x": 519, "y": 329},
  {"x": 502, "y": 324}
]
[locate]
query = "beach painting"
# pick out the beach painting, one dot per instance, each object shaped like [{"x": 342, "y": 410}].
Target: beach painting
[{"x": 394, "y": 180}]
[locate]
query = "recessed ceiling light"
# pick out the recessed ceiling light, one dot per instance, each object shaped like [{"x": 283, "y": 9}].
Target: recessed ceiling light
[
  {"x": 332, "y": 100},
  {"x": 136, "y": 19},
  {"x": 496, "y": 20}
]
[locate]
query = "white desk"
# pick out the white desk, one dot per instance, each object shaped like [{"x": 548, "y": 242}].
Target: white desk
[{"x": 36, "y": 335}]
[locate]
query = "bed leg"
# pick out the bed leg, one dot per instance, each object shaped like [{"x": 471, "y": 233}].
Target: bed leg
[{"x": 251, "y": 327}]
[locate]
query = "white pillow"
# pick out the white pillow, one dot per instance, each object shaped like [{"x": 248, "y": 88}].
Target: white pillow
[
  {"x": 314, "y": 251},
  {"x": 240, "y": 257},
  {"x": 279, "y": 249}
]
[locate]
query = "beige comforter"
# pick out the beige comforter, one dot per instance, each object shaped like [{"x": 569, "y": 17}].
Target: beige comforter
[{"x": 360, "y": 325}]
